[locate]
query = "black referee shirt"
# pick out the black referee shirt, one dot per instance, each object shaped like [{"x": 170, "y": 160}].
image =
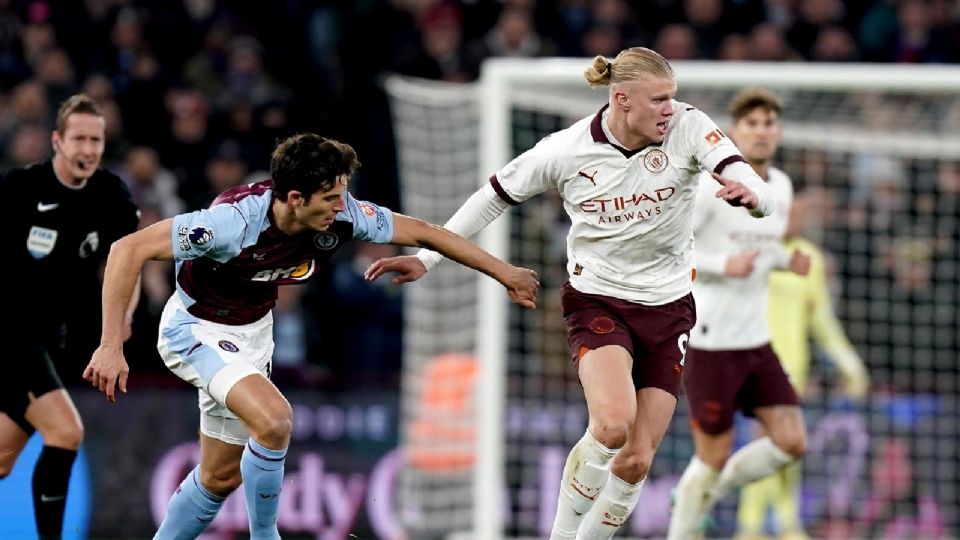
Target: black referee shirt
[{"x": 59, "y": 237}]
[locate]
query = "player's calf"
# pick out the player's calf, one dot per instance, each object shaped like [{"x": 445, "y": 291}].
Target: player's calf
[{"x": 584, "y": 476}]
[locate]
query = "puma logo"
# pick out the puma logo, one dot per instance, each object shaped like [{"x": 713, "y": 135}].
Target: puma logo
[{"x": 588, "y": 176}]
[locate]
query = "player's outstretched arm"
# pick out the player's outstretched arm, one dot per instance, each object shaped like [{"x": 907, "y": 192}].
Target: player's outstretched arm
[
  {"x": 108, "y": 367},
  {"x": 740, "y": 186},
  {"x": 521, "y": 283}
]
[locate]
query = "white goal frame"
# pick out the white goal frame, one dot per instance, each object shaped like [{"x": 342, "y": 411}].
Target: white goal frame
[{"x": 500, "y": 75}]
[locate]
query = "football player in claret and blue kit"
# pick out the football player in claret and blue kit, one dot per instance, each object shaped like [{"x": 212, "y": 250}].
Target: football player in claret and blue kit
[{"x": 216, "y": 329}]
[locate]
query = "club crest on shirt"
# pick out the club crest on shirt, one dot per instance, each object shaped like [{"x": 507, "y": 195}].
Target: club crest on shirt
[
  {"x": 228, "y": 346},
  {"x": 655, "y": 160},
  {"x": 90, "y": 245},
  {"x": 325, "y": 240},
  {"x": 40, "y": 241}
]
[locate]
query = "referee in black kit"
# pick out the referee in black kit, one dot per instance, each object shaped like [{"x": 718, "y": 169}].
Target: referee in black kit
[{"x": 59, "y": 219}]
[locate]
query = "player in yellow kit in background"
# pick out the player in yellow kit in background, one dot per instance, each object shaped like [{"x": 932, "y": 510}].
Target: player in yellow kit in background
[{"x": 800, "y": 310}]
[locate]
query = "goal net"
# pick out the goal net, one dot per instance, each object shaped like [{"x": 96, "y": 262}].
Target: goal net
[{"x": 491, "y": 403}]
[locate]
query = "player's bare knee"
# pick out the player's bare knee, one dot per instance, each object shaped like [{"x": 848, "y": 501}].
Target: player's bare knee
[
  {"x": 221, "y": 481},
  {"x": 274, "y": 431},
  {"x": 632, "y": 466},
  {"x": 611, "y": 432},
  {"x": 69, "y": 436},
  {"x": 793, "y": 442}
]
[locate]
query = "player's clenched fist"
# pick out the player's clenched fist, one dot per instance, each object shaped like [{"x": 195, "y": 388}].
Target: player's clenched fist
[{"x": 522, "y": 285}]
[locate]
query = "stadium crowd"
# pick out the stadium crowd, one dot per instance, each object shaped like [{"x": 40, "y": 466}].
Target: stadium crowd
[{"x": 197, "y": 92}]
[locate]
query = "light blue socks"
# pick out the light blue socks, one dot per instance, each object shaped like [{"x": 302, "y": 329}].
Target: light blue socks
[
  {"x": 262, "y": 471},
  {"x": 190, "y": 510}
]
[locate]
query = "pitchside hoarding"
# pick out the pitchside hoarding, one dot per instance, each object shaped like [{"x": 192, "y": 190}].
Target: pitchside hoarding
[{"x": 343, "y": 464}]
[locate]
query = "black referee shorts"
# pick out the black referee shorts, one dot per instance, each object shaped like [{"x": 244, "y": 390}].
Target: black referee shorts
[{"x": 32, "y": 373}]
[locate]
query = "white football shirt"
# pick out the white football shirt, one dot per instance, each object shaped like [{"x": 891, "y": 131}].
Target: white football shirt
[
  {"x": 732, "y": 312},
  {"x": 631, "y": 211}
]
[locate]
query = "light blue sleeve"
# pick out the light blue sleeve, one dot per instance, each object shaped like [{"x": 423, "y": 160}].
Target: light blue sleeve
[
  {"x": 217, "y": 233},
  {"x": 371, "y": 223}
]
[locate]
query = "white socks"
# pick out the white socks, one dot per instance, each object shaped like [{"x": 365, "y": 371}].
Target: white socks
[
  {"x": 584, "y": 476},
  {"x": 755, "y": 460},
  {"x": 701, "y": 487},
  {"x": 690, "y": 498},
  {"x": 612, "y": 509}
]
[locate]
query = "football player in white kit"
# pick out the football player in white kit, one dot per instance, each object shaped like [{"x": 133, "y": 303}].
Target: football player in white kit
[
  {"x": 216, "y": 331},
  {"x": 628, "y": 177},
  {"x": 730, "y": 363}
]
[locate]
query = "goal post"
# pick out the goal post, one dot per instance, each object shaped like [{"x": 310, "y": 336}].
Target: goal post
[{"x": 845, "y": 127}]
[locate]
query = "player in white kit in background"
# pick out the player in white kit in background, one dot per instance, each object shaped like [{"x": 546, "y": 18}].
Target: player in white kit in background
[
  {"x": 628, "y": 179},
  {"x": 730, "y": 364}
]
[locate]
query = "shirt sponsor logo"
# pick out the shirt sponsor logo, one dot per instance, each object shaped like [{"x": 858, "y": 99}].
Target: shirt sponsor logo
[
  {"x": 228, "y": 346},
  {"x": 381, "y": 220},
  {"x": 326, "y": 240},
  {"x": 620, "y": 202},
  {"x": 714, "y": 137},
  {"x": 655, "y": 160},
  {"x": 90, "y": 245},
  {"x": 200, "y": 236},
  {"x": 40, "y": 241},
  {"x": 299, "y": 272}
]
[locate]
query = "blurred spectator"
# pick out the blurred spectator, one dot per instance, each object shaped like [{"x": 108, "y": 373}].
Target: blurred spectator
[
  {"x": 184, "y": 151},
  {"x": 246, "y": 77},
  {"x": 514, "y": 34},
  {"x": 11, "y": 65},
  {"x": 918, "y": 40},
  {"x": 677, "y": 42},
  {"x": 30, "y": 144},
  {"x": 768, "y": 44},
  {"x": 603, "y": 39},
  {"x": 36, "y": 39},
  {"x": 734, "y": 47},
  {"x": 441, "y": 53},
  {"x": 706, "y": 26},
  {"x": 150, "y": 184},
  {"x": 55, "y": 72},
  {"x": 205, "y": 70},
  {"x": 834, "y": 44},
  {"x": 225, "y": 170},
  {"x": 28, "y": 104},
  {"x": 813, "y": 16},
  {"x": 876, "y": 31}
]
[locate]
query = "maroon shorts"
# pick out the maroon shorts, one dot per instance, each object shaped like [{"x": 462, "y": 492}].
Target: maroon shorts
[
  {"x": 655, "y": 336},
  {"x": 718, "y": 383}
]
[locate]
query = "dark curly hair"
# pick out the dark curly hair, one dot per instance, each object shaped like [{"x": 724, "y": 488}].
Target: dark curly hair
[{"x": 309, "y": 163}]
